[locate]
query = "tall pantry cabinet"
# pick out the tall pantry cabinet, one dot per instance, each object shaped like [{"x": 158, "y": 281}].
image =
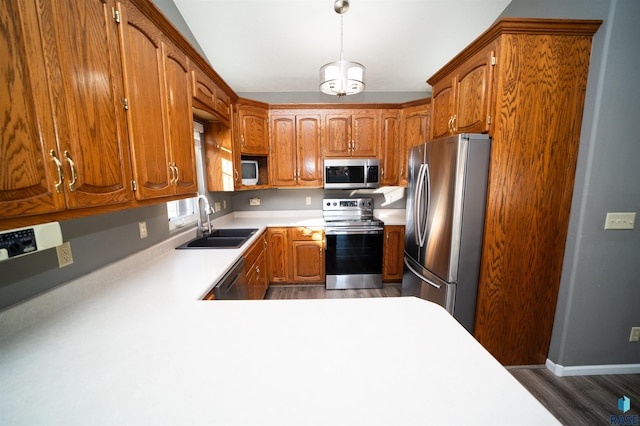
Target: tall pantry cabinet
[{"x": 523, "y": 81}]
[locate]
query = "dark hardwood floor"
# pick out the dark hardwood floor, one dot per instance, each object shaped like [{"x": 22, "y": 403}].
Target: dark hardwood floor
[
  {"x": 319, "y": 292},
  {"x": 582, "y": 400},
  {"x": 574, "y": 400}
]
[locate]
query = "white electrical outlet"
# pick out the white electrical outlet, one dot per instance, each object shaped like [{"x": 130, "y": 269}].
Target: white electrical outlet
[
  {"x": 65, "y": 257},
  {"x": 142, "y": 227},
  {"x": 635, "y": 334},
  {"x": 255, "y": 201},
  {"x": 308, "y": 201},
  {"x": 620, "y": 220},
  {"x": 217, "y": 206},
  {"x": 224, "y": 204}
]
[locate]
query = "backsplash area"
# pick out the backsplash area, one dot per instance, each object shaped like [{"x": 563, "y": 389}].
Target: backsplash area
[{"x": 296, "y": 199}]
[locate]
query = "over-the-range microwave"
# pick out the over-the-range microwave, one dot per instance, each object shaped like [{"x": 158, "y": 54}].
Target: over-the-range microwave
[{"x": 351, "y": 173}]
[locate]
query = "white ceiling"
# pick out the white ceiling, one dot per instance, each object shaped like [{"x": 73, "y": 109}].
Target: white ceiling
[{"x": 280, "y": 45}]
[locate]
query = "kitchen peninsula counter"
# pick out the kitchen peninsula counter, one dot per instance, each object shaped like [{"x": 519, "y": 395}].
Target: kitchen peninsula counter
[{"x": 138, "y": 347}]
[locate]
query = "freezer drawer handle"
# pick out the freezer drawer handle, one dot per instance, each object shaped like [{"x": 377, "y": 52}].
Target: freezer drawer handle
[{"x": 420, "y": 275}]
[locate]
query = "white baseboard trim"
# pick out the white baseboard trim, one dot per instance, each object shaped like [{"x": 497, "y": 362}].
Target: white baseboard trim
[{"x": 591, "y": 370}]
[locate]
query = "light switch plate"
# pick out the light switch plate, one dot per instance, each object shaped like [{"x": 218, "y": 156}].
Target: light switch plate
[
  {"x": 620, "y": 221},
  {"x": 635, "y": 334}
]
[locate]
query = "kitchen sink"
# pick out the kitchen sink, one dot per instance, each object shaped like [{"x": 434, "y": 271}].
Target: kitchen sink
[
  {"x": 233, "y": 232},
  {"x": 221, "y": 239}
]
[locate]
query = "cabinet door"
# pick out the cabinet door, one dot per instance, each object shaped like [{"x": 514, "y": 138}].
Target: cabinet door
[
  {"x": 392, "y": 261},
  {"x": 337, "y": 135},
  {"x": 365, "y": 134},
  {"x": 416, "y": 123},
  {"x": 308, "y": 261},
  {"x": 309, "y": 154},
  {"x": 203, "y": 90},
  {"x": 179, "y": 119},
  {"x": 145, "y": 87},
  {"x": 28, "y": 150},
  {"x": 89, "y": 111},
  {"x": 390, "y": 147},
  {"x": 254, "y": 134},
  {"x": 442, "y": 103},
  {"x": 473, "y": 93},
  {"x": 283, "y": 154},
  {"x": 278, "y": 255},
  {"x": 219, "y": 157}
]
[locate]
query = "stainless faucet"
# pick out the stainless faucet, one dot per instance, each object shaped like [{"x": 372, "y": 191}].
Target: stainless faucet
[{"x": 207, "y": 211}]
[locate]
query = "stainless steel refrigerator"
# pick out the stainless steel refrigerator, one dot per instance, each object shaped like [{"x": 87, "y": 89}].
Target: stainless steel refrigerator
[{"x": 445, "y": 219}]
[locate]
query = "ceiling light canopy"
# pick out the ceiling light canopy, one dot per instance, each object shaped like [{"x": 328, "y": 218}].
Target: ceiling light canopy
[{"x": 342, "y": 77}]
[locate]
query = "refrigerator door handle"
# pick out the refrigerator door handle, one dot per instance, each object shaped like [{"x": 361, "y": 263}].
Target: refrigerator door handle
[
  {"x": 419, "y": 275},
  {"x": 427, "y": 177},
  {"x": 417, "y": 204}
]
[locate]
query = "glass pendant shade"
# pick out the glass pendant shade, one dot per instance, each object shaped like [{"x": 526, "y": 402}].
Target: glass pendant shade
[{"x": 342, "y": 78}]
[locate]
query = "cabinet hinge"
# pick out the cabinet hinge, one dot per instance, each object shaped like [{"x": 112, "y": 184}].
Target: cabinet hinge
[
  {"x": 488, "y": 119},
  {"x": 125, "y": 103},
  {"x": 134, "y": 185},
  {"x": 116, "y": 15},
  {"x": 493, "y": 61}
]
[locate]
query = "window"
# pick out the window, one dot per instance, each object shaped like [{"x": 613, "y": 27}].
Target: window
[{"x": 185, "y": 212}]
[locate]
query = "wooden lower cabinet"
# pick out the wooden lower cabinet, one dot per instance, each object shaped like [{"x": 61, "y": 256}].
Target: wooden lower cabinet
[
  {"x": 255, "y": 259},
  {"x": 393, "y": 253},
  {"x": 296, "y": 255}
]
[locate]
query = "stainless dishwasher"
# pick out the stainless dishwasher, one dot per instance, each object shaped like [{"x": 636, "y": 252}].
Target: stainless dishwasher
[{"x": 232, "y": 286}]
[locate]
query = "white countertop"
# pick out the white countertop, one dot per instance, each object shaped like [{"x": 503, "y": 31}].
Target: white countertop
[{"x": 142, "y": 349}]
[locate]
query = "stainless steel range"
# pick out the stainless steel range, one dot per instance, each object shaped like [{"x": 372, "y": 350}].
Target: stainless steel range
[{"x": 353, "y": 257}]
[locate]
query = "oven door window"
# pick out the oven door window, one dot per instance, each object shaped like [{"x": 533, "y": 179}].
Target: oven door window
[{"x": 349, "y": 254}]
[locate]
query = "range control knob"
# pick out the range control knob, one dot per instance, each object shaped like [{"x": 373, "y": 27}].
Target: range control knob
[{"x": 335, "y": 204}]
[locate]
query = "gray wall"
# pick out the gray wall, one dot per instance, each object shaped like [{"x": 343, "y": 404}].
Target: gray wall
[{"x": 599, "y": 298}]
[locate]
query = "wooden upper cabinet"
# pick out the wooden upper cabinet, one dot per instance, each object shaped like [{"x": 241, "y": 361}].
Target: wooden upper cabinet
[
  {"x": 461, "y": 100},
  {"x": 159, "y": 107},
  {"x": 309, "y": 150},
  {"x": 65, "y": 144},
  {"x": 218, "y": 148},
  {"x": 416, "y": 124},
  {"x": 283, "y": 150},
  {"x": 253, "y": 130},
  {"x": 296, "y": 150},
  {"x": 389, "y": 144},
  {"x": 353, "y": 134},
  {"x": 180, "y": 119},
  {"x": 92, "y": 133},
  {"x": 208, "y": 96}
]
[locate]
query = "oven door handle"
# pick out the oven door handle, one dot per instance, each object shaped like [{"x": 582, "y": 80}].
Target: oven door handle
[{"x": 352, "y": 231}]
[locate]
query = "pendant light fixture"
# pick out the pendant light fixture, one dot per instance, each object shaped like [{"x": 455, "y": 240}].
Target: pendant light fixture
[{"x": 342, "y": 77}]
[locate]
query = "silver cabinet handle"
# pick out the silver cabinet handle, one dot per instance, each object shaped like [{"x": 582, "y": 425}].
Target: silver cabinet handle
[
  {"x": 58, "y": 185},
  {"x": 74, "y": 172}
]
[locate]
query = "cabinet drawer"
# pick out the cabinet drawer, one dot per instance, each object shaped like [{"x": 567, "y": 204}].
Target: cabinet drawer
[{"x": 303, "y": 233}]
